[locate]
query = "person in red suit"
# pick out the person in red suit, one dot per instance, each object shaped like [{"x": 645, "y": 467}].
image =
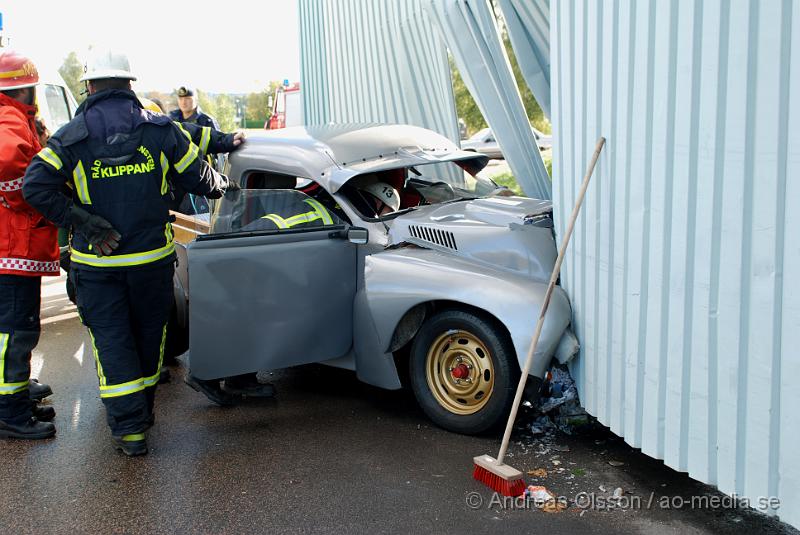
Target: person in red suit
[{"x": 28, "y": 250}]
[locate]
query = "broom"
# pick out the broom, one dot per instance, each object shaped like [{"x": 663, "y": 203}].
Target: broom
[{"x": 498, "y": 476}]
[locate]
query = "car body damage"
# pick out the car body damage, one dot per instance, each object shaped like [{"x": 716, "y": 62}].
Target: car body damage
[{"x": 449, "y": 284}]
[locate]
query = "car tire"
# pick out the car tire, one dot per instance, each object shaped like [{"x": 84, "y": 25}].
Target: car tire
[{"x": 464, "y": 371}]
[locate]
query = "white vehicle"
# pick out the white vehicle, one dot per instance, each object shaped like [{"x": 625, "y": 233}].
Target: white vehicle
[
  {"x": 484, "y": 142},
  {"x": 56, "y": 103}
]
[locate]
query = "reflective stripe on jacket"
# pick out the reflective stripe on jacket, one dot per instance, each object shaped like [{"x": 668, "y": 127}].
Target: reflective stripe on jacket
[
  {"x": 28, "y": 242},
  {"x": 118, "y": 159}
]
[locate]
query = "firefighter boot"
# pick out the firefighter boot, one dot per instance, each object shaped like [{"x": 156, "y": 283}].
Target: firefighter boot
[
  {"x": 31, "y": 429},
  {"x": 211, "y": 390},
  {"x": 248, "y": 385},
  {"x": 131, "y": 445},
  {"x": 43, "y": 413},
  {"x": 38, "y": 391}
]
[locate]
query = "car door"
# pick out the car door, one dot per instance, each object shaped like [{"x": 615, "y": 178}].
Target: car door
[{"x": 269, "y": 299}]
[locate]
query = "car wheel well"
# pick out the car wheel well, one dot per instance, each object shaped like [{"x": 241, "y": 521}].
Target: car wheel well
[{"x": 409, "y": 325}]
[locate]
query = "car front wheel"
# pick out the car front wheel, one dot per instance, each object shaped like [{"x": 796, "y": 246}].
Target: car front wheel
[{"x": 463, "y": 371}]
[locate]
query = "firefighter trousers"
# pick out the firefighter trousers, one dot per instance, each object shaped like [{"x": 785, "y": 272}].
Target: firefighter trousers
[
  {"x": 126, "y": 312},
  {"x": 20, "y": 299}
]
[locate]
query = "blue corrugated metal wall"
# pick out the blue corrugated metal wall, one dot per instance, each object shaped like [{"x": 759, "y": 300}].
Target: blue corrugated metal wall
[
  {"x": 682, "y": 266},
  {"x": 378, "y": 61}
]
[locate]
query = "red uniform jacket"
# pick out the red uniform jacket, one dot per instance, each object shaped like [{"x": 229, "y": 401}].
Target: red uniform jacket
[{"x": 28, "y": 242}]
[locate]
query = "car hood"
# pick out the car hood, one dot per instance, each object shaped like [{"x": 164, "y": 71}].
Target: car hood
[{"x": 510, "y": 233}]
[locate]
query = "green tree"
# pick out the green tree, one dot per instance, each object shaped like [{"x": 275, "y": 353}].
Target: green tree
[
  {"x": 257, "y": 104},
  {"x": 207, "y": 103},
  {"x": 225, "y": 113},
  {"x": 71, "y": 71},
  {"x": 466, "y": 107},
  {"x": 468, "y": 110},
  {"x": 257, "y": 109}
]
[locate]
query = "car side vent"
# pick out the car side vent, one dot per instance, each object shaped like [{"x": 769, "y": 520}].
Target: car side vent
[{"x": 443, "y": 238}]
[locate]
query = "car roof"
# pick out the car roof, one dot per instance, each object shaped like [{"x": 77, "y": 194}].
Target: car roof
[{"x": 333, "y": 154}]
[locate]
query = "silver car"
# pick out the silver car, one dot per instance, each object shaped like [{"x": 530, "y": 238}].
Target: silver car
[
  {"x": 447, "y": 287},
  {"x": 484, "y": 142}
]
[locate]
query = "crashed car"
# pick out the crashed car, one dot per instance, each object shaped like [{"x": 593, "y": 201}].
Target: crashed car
[{"x": 444, "y": 290}]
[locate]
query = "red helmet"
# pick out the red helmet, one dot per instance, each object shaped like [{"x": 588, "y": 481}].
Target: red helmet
[{"x": 16, "y": 71}]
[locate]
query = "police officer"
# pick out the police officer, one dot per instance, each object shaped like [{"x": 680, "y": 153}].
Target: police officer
[
  {"x": 189, "y": 112},
  {"x": 28, "y": 250},
  {"x": 118, "y": 160}
]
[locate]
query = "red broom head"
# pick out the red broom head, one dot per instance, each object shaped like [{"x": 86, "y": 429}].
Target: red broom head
[{"x": 498, "y": 483}]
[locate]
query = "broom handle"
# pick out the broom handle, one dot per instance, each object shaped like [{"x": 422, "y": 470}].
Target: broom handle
[{"x": 546, "y": 302}]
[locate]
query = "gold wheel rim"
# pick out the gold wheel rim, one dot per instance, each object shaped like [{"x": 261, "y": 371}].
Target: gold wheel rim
[{"x": 460, "y": 372}]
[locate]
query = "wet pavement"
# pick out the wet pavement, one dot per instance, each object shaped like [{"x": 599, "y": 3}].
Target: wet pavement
[{"x": 329, "y": 455}]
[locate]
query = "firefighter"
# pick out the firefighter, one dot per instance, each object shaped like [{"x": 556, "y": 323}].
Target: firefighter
[
  {"x": 28, "y": 250},
  {"x": 118, "y": 160}
]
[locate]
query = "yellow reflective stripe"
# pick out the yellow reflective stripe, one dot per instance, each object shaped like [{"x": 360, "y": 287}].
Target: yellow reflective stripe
[
  {"x": 182, "y": 129},
  {"x": 3, "y": 348},
  {"x": 321, "y": 210},
  {"x": 188, "y": 158},
  {"x": 8, "y": 388},
  {"x": 15, "y": 74},
  {"x": 122, "y": 389},
  {"x": 81, "y": 184},
  {"x": 47, "y": 154},
  {"x": 153, "y": 379},
  {"x": 278, "y": 220},
  {"x": 13, "y": 388},
  {"x": 205, "y": 137},
  {"x": 168, "y": 233},
  {"x": 100, "y": 375},
  {"x": 133, "y": 259},
  {"x": 302, "y": 218},
  {"x": 133, "y": 438},
  {"x": 164, "y": 169}
]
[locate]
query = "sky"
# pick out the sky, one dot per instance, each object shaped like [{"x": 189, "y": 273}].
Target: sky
[{"x": 236, "y": 46}]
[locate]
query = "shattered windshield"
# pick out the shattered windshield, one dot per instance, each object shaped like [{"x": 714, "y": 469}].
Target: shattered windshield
[{"x": 269, "y": 209}]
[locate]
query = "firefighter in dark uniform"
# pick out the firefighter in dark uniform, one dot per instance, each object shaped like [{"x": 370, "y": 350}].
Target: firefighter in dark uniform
[{"x": 118, "y": 160}]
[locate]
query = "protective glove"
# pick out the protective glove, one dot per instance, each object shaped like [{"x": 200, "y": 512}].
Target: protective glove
[
  {"x": 97, "y": 231},
  {"x": 232, "y": 185}
]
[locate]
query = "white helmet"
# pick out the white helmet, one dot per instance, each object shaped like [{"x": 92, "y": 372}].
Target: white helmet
[
  {"x": 384, "y": 193},
  {"x": 107, "y": 64}
]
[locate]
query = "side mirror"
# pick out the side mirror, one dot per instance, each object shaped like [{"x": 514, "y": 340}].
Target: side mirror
[{"x": 357, "y": 236}]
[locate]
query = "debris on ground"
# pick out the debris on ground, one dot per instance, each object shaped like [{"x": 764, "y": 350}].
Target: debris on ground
[
  {"x": 544, "y": 499},
  {"x": 558, "y": 409},
  {"x": 616, "y": 463},
  {"x": 539, "y": 472}
]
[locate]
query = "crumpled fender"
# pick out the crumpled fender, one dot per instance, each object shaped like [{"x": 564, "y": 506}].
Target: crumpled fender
[{"x": 396, "y": 280}]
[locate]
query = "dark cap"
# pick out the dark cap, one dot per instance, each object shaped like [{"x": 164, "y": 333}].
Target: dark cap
[{"x": 186, "y": 91}]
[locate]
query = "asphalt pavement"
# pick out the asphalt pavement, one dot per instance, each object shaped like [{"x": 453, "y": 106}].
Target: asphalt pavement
[{"x": 329, "y": 455}]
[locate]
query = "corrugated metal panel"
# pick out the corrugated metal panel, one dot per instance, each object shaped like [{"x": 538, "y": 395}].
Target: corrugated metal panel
[
  {"x": 528, "y": 23},
  {"x": 377, "y": 61},
  {"x": 680, "y": 273},
  {"x": 470, "y": 30}
]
